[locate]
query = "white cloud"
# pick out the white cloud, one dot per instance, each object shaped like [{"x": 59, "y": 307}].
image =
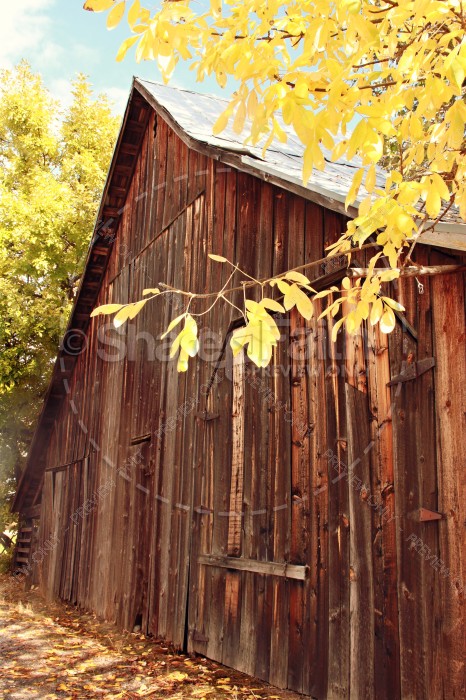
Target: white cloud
[
  {"x": 23, "y": 29},
  {"x": 60, "y": 89},
  {"x": 119, "y": 97},
  {"x": 86, "y": 55},
  {"x": 50, "y": 54}
]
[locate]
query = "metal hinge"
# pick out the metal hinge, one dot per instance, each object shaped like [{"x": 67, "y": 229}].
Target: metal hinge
[
  {"x": 205, "y": 415},
  {"x": 423, "y": 515},
  {"x": 413, "y": 371}
]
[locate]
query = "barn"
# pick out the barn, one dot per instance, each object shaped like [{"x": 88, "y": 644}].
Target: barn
[{"x": 304, "y": 522}]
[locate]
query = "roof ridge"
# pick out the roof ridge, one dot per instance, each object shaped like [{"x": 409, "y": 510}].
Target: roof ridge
[{"x": 182, "y": 89}]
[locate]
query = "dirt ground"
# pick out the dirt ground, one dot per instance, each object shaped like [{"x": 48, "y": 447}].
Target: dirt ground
[{"x": 56, "y": 651}]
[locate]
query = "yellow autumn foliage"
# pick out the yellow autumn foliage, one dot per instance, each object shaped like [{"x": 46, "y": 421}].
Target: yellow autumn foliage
[{"x": 389, "y": 69}]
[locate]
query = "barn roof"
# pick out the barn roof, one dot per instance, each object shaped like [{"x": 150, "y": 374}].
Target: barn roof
[
  {"x": 196, "y": 114},
  {"x": 191, "y": 116}
]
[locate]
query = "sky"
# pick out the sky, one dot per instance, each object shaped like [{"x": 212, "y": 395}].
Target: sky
[{"x": 59, "y": 39}]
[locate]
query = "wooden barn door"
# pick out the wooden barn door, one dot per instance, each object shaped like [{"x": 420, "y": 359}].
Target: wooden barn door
[{"x": 249, "y": 577}]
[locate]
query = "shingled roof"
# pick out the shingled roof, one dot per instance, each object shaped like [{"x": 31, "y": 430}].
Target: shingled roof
[{"x": 191, "y": 116}]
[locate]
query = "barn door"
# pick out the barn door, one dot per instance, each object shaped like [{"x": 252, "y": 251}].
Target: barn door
[{"x": 249, "y": 576}]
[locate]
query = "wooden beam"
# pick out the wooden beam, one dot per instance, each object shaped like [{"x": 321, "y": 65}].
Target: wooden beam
[
  {"x": 270, "y": 568},
  {"x": 60, "y": 467}
]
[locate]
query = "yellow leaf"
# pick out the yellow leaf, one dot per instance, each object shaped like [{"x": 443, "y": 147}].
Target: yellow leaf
[
  {"x": 252, "y": 104},
  {"x": 388, "y": 321},
  {"x": 176, "y": 676},
  {"x": 441, "y": 186},
  {"x": 186, "y": 342},
  {"x": 419, "y": 154},
  {"x": 456, "y": 73},
  {"x": 279, "y": 132},
  {"x": 272, "y": 305},
  {"x": 363, "y": 309},
  {"x": 98, "y": 5},
  {"x": 128, "y": 312},
  {"x": 134, "y": 12},
  {"x": 221, "y": 78},
  {"x": 389, "y": 275},
  {"x": 183, "y": 359},
  {"x": 115, "y": 15},
  {"x": 339, "y": 149},
  {"x": 393, "y": 304},
  {"x": 297, "y": 277},
  {"x": 217, "y": 258},
  {"x": 190, "y": 344},
  {"x": 336, "y": 328},
  {"x": 354, "y": 189},
  {"x": 288, "y": 110},
  {"x": 433, "y": 203},
  {"x": 308, "y": 163},
  {"x": 216, "y": 8},
  {"x": 353, "y": 321},
  {"x": 390, "y": 251},
  {"x": 346, "y": 283},
  {"x": 166, "y": 63},
  {"x": 150, "y": 290},
  {"x": 106, "y": 309},
  {"x": 260, "y": 336},
  {"x": 370, "y": 179},
  {"x": 351, "y": 6},
  {"x": 221, "y": 123},
  {"x": 294, "y": 296},
  {"x": 324, "y": 293},
  {"x": 385, "y": 127},
  {"x": 172, "y": 324},
  {"x": 283, "y": 286},
  {"x": 303, "y": 303},
  {"x": 240, "y": 116},
  {"x": 373, "y": 149},
  {"x": 365, "y": 207},
  {"x": 376, "y": 312},
  {"x": 125, "y": 46},
  {"x": 358, "y": 138}
]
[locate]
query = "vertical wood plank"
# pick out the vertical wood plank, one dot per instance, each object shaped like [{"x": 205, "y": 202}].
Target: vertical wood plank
[
  {"x": 361, "y": 589},
  {"x": 448, "y": 301},
  {"x": 319, "y": 600},
  {"x": 383, "y": 497},
  {"x": 237, "y": 467},
  {"x": 338, "y": 518}
]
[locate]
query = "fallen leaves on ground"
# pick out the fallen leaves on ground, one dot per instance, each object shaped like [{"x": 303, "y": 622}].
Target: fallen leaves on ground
[{"x": 51, "y": 651}]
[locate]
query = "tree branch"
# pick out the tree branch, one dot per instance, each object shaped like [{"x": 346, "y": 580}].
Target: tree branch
[{"x": 412, "y": 271}]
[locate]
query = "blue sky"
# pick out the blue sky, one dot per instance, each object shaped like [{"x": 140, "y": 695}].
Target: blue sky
[{"x": 60, "y": 39}]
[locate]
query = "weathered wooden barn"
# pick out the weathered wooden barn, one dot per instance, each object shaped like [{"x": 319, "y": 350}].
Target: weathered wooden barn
[{"x": 303, "y": 523}]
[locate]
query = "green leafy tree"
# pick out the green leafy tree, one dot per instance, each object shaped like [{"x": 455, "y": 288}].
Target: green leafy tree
[{"x": 53, "y": 164}]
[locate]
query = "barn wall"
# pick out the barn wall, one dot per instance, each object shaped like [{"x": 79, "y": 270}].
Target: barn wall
[{"x": 146, "y": 468}]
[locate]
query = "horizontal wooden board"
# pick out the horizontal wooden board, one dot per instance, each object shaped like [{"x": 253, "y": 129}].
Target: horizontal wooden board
[{"x": 269, "y": 568}]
